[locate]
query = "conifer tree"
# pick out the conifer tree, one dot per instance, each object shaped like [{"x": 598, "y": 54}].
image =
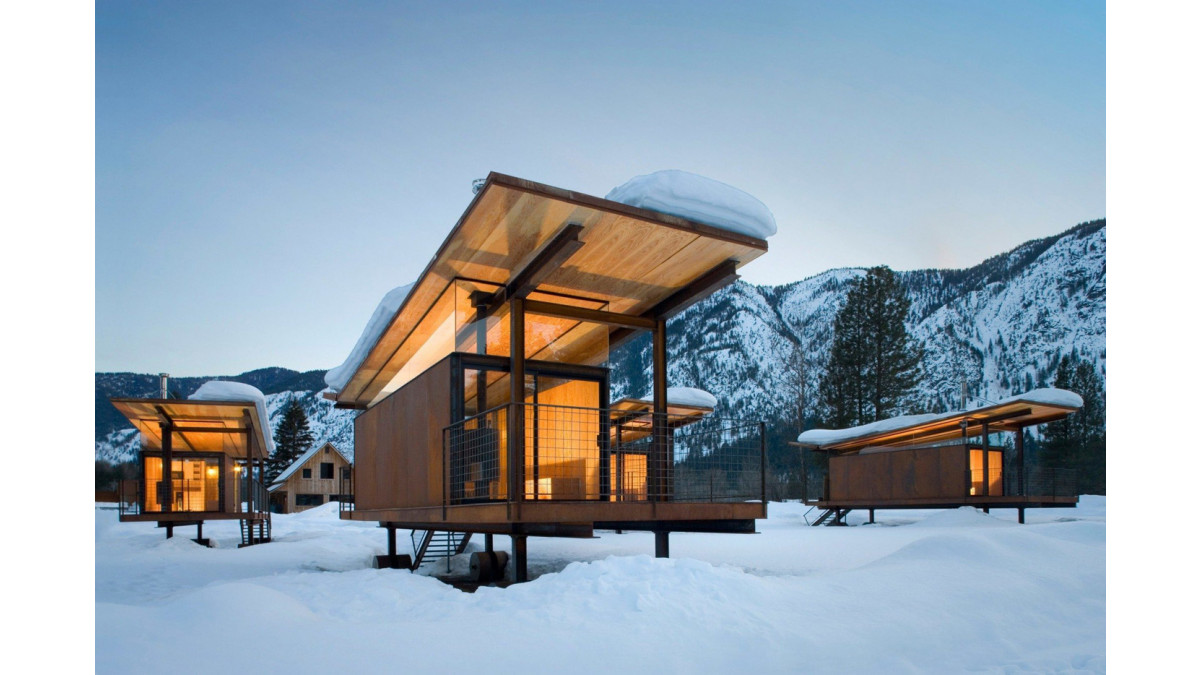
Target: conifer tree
[
  {"x": 292, "y": 439},
  {"x": 874, "y": 363},
  {"x": 1078, "y": 441}
]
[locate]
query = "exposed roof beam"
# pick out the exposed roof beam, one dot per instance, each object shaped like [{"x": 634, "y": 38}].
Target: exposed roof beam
[
  {"x": 210, "y": 430},
  {"x": 548, "y": 258},
  {"x": 705, "y": 285},
  {"x": 1003, "y": 416},
  {"x": 585, "y": 314}
]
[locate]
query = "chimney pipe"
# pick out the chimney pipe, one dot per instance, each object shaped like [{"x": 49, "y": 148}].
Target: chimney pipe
[
  {"x": 963, "y": 399},
  {"x": 162, "y": 385}
]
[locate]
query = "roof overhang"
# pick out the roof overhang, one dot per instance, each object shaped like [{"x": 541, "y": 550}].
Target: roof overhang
[
  {"x": 229, "y": 427},
  {"x": 635, "y": 418},
  {"x": 1012, "y": 415},
  {"x": 527, "y": 237}
]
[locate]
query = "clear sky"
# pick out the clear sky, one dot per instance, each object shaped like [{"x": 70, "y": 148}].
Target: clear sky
[{"x": 266, "y": 171}]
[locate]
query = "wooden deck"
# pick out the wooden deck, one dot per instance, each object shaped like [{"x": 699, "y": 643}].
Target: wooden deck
[
  {"x": 572, "y": 518},
  {"x": 998, "y": 502},
  {"x": 189, "y": 516}
]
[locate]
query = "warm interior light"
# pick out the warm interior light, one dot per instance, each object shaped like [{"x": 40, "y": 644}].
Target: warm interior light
[
  {"x": 237, "y": 468},
  {"x": 212, "y": 470}
]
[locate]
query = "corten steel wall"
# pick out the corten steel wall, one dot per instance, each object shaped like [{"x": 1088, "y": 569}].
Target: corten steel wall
[
  {"x": 398, "y": 444},
  {"x": 899, "y": 474}
]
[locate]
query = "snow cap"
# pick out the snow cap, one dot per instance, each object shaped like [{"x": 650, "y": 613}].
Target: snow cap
[
  {"x": 223, "y": 390},
  {"x": 338, "y": 377},
  {"x": 704, "y": 200},
  {"x": 688, "y": 396},
  {"x": 1045, "y": 396}
]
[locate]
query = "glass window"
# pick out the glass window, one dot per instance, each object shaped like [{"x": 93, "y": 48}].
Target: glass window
[
  {"x": 327, "y": 470},
  {"x": 306, "y": 473}
]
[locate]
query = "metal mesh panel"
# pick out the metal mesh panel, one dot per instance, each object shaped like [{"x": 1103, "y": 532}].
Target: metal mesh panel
[
  {"x": 576, "y": 453},
  {"x": 1050, "y": 482},
  {"x": 475, "y": 448}
]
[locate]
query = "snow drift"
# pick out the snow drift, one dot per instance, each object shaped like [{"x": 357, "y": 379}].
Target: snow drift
[
  {"x": 221, "y": 390},
  {"x": 704, "y": 200},
  {"x": 338, "y": 377}
]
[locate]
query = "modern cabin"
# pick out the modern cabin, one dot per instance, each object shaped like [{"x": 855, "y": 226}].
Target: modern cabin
[
  {"x": 216, "y": 451},
  {"x": 943, "y": 461},
  {"x": 485, "y": 400},
  {"x": 319, "y": 476}
]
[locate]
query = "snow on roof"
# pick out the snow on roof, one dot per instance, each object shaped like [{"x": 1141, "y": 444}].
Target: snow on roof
[
  {"x": 338, "y": 377},
  {"x": 1045, "y": 396},
  {"x": 824, "y": 436},
  {"x": 686, "y": 396},
  {"x": 295, "y": 466},
  {"x": 697, "y": 198},
  {"x": 223, "y": 390}
]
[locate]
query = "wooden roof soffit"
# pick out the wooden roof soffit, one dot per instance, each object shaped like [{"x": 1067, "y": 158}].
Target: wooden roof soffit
[
  {"x": 506, "y": 201},
  {"x": 710, "y": 282}
]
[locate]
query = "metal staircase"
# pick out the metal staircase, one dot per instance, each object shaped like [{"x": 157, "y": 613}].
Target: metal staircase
[
  {"x": 255, "y": 531},
  {"x": 433, "y": 545},
  {"x": 828, "y": 517}
]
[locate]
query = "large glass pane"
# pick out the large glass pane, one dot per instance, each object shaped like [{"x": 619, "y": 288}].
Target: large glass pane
[
  {"x": 562, "y": 451},
  {"x": 195, "y": 484}
]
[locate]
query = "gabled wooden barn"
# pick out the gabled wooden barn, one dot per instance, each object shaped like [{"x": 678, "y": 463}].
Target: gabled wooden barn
[
  {"x": 485, "y": 399},
  {"x": 319, "y": 476}
]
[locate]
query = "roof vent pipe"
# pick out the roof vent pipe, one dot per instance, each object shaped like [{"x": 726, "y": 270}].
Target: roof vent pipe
[
  {"x": 162, "y": 385},
  {"x": 963, "y": 398}
]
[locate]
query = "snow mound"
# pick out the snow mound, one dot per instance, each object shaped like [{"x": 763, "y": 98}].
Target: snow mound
[
  {"x": 326, "y": 511},
  {"x": 963, "y": 516},
  {"x": 221, "y": 390},
  {"x": 686, "y": 396},
  {"x": 823, "y": 436},
  {"x": 1049, "y": 396},
  {"x": 338, "y": 377},
  {"x": 704, "y": 200}
]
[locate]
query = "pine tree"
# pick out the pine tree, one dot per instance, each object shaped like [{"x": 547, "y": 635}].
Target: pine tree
[
  {"x": 292, "y": 439},
  {"x": 1078, "y": 441},
  {"x": 874, "y": 363}
]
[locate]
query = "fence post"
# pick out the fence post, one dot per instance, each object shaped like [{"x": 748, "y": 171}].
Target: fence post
[
  {"x": 445, "y": 473},
  {"x": 762, "y": 462}
]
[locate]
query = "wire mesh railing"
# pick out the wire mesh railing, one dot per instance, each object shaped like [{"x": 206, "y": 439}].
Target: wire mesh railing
[
  {"x": 581, "y": 454},
  {"x": 1042, "y": 481},
  {"x": 129, "y": 497}
]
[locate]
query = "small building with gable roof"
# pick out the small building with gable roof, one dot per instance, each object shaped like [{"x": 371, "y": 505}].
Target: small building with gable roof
[{"x": 317, "y": 477}]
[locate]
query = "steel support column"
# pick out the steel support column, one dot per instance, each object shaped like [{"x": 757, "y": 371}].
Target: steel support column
[
  {"x": 987, "y": 472},
  {"x": 520, "y": 562},
  {"x": 1021, "y": 466},
  {"x": 516, "y": 422},
  {"x": 662, "y": 544},
  {"x": 660, "y": 465}
]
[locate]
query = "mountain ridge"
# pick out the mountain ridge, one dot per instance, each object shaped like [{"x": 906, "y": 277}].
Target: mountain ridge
[{"x": 1001, "y": 326}]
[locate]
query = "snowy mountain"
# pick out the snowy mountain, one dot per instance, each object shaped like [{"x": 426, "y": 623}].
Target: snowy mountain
[{"x": 1001, "y": 326}]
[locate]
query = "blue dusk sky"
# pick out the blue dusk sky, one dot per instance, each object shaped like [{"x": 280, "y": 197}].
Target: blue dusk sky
[{"x": 266, "y": 171}]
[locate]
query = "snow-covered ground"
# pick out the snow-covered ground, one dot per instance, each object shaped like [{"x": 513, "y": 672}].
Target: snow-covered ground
[{"x": 919, "y": 591}]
